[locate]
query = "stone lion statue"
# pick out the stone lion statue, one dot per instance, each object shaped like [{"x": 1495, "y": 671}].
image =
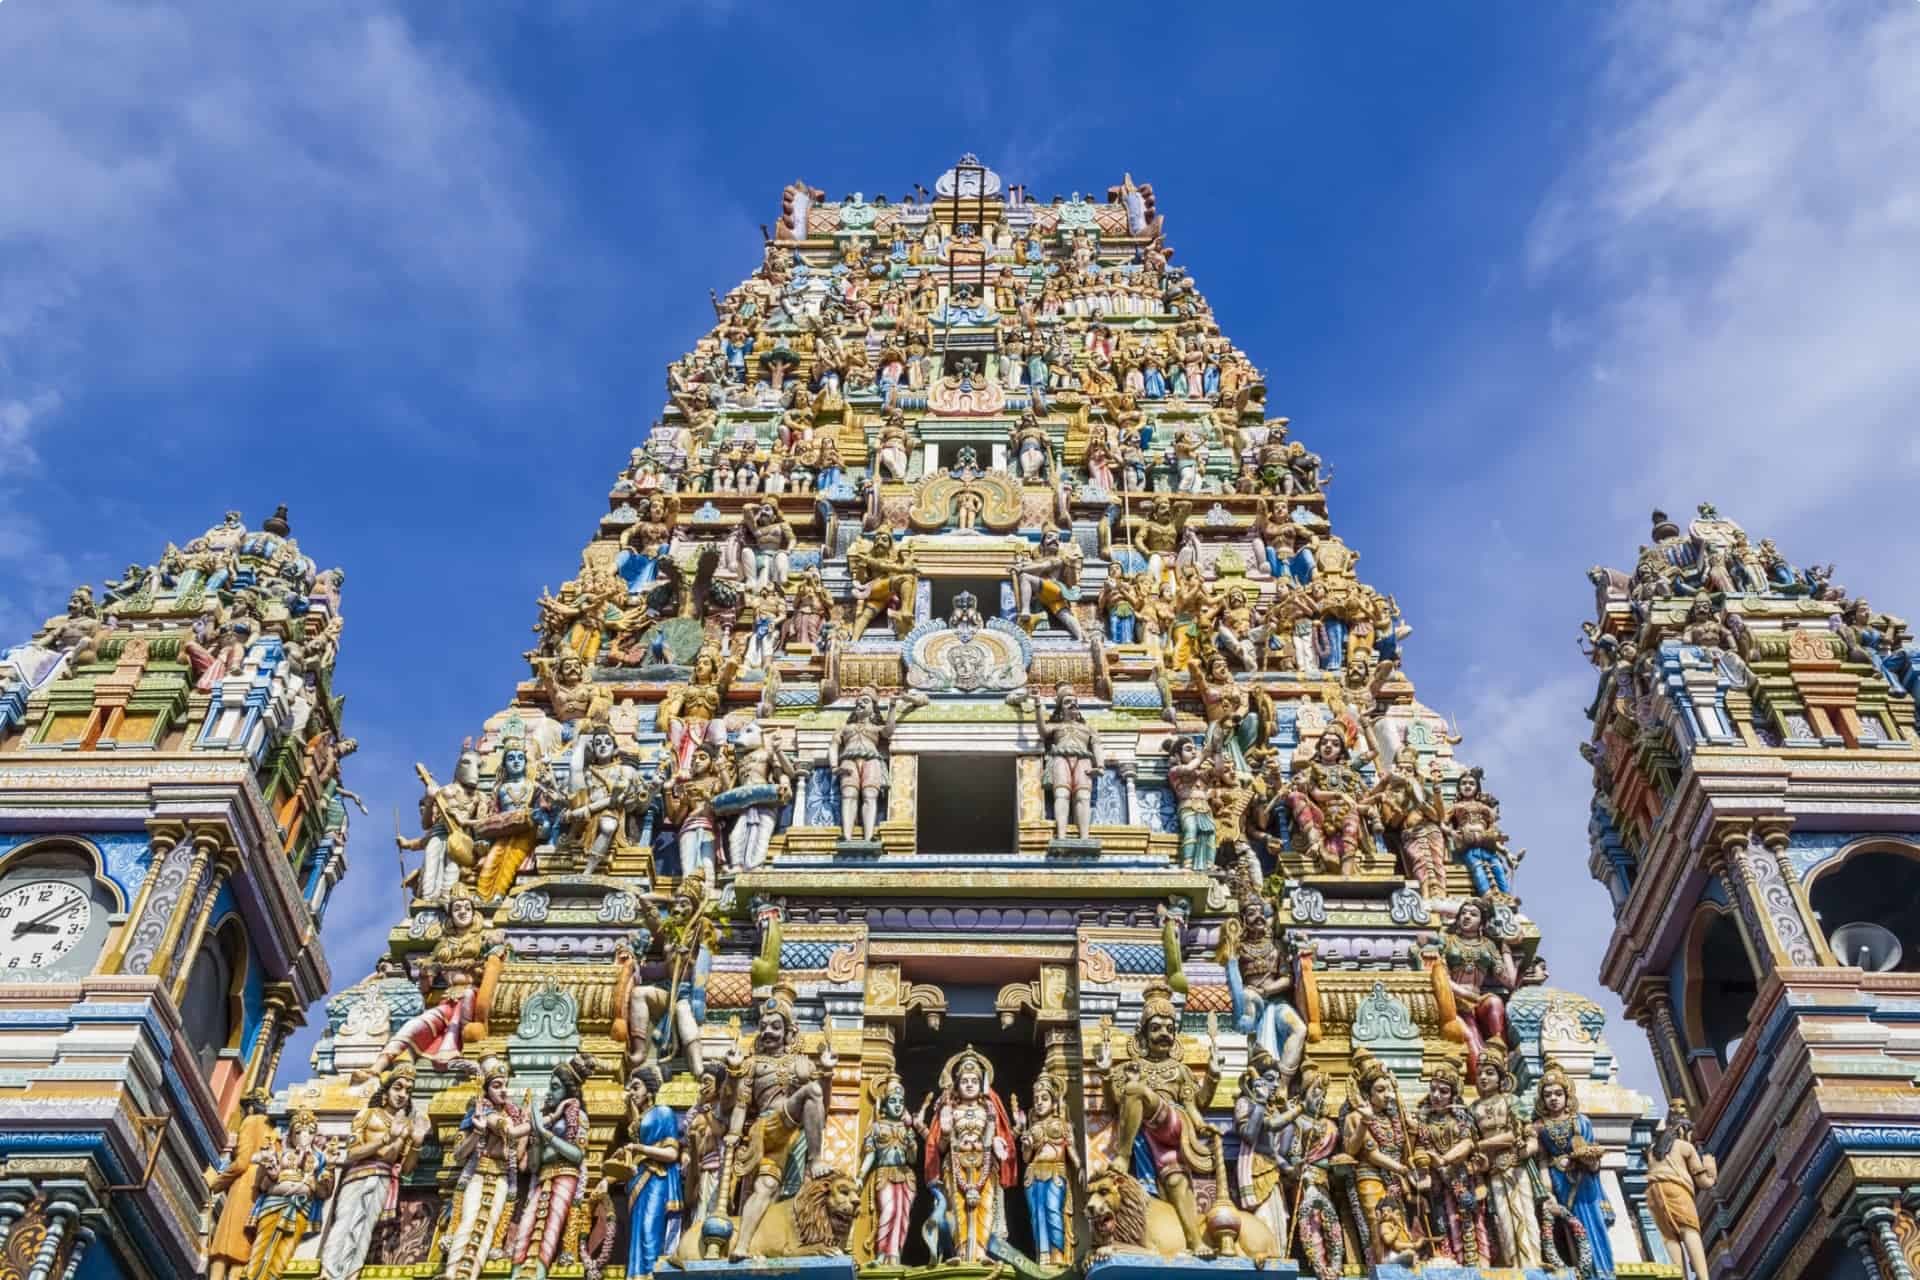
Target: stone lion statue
[
  {"x": 1125, "y": 1219},
  {"x": 815, "y": 1223}
]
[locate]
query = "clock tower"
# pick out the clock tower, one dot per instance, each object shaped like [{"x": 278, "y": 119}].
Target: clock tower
[{"x": 171, "y": 822}]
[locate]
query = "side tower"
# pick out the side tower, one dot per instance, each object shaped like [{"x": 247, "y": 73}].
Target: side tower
[
  {"x": 967, "y": 810},
  {"x": 171, "y": 820},
  {"x": 1756, "y": 793}
]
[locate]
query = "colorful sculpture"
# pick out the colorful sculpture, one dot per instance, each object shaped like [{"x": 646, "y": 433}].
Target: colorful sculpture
[
  {"x": 650, "y": 1162},
  {"x": 970, "y": 1159},
  {"x": 891, "y": 1151},
  {"x": 383, "y": 1147},
  {"x": 786, "y": 815}
]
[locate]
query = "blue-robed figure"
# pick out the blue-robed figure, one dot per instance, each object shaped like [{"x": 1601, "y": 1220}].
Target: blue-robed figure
[
  {"x": 1258, "y": 981},
  {"x": 652, "y": 1153},
  {"x": 1573, "y": 1164}
]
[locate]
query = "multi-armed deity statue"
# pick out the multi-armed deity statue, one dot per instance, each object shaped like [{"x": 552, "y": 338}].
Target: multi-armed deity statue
[{"x": 966, "y": 810}]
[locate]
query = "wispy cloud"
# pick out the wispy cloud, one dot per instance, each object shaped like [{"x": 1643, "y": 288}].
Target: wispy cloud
[
  {"x": 1722, "y": 287},
  {"x": 1739, "y": 247},
  {"x": 198, "y": 193}
]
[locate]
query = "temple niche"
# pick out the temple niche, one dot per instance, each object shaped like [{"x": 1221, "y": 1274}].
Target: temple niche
[{"x": 967, "y": 810}]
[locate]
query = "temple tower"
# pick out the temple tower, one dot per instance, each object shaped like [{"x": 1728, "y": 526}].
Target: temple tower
[
  {"x": 1756, "y": 789},
  {"x": 965, "y": 757},
  {"x": 171, "y": 821}
]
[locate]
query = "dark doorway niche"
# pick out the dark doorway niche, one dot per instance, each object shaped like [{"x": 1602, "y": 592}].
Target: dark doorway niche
[
  {"x": 1017, "y": 1061},
  {"x": 967, "y": 804},
  {"x": 985, "y": 592}
]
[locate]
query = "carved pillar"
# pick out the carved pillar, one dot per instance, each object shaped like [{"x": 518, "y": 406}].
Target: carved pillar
[
  {"x": 181, "y": 961},
  {"x": 166, "y": 868},
  {"x": 1878, "y": 1217},
  {"x": 12, "y": 1210},
  {"x": 61, "y": 1215},
  {"x": 296, "y": 1019},
  {"x": 1861, "y": 1242},
  {"x": 272, "y": 1033},
  {"x": 1778, "y": 838},
  {"x": 1653, "y": 1010},
  {"x": 81, "y": 1243},
  {"x": 164, "y": 950},
  {"x": 1770, "y": 915}
]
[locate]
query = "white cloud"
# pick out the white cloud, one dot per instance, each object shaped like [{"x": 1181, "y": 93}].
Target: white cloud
[
  {"x": 18, "y": 420},
  {"x": 193, "y": 192},
  {"x": 1723, "y": 289},
  {"x": 1741, "y": 241}
]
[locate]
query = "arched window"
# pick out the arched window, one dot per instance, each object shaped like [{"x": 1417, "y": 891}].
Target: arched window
[
  {"x": 211, "y": 1007},
  {"x": 1872, "y": 884},
  {"x": 1721, "y": 987}
]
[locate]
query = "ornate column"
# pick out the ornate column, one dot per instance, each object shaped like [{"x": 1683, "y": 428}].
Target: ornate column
[
  {"x": 61, "y": 1216},
  {"x": 266, "y": 1041},
  {"x": 11, "y": 1211},
  {"x": 1778, "y": 838},
  {"x": 181, "y": 961},
  {"x": 1653, "y": 1010},
  {"x": 81, "y": 1243},
  {"x": 295, "y": 1018},
  {"x": 157, "y": 937},
  {"x": 1878, "y": 1216},
  {"x": 1861, "y": 1242},
  {"x": 1770, "y": 915},
  {"x": 166, "y": 871}
]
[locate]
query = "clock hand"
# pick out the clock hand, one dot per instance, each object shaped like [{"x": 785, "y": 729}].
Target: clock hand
[{"x": 40, "y": 922}]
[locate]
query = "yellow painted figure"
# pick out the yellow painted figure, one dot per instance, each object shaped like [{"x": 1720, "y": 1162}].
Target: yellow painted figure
[{"x": 292, "y": 1174}]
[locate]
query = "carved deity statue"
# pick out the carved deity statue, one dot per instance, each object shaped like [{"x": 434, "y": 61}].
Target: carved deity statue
[
  {"x": 1260, "y": 978},
  {"x": 1261, "y": 1115},
  {"x": 1155, "y": 1095},
  {"x": 1506, "y": 1148},
  {"x": 1413, "y": 809},
  {"x": 491, "y": 1150},
  {"x": 1473, "y": 828},
  {"x": 650, "y": 1163},
  {"x": 1376, "y": 1135},
  {"x": 889, "y": 1154},
  {"x": 1311, "y": 1144},
  {"x": 1677, "y": 1171},
  {"x": 1050, "y": 1158},
  {"x": 457, "y": 966},
  {"x": 1564, "y": 1138},
  {"x": 766, "y": 545},
  {"x": 1074, "y": 757},
  {"x": 887, "y": 582},
  {"x": 969, "y": 1158},
  {"x": 293, "y": 1184},
  {"x": 660, "y": 1021},
  {"x": 1477, "y": 964},
  {"x": 605, "y": 790},
  {"x": 777, "y": 1115},
  {"x": 894, "y": 447},
  {"x": 447, "y": 816},
  {"x": 1446, "y": 1138},
  {"x": 1051, "y": 581},
  {"x": 382, "y": 1148},
  {"x": 858, "y": 757},
  {"x": 1328, "y": 799},
  {"x": 557, "y": 1159}
]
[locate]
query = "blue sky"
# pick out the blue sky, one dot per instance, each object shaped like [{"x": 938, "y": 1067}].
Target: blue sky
[{"x": 1521, "y": 272}]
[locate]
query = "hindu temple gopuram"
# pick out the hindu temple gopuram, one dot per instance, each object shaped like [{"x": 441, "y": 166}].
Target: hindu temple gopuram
[
  {"x": 1756, "y": 765},
  {"x": 171, "y": 823},
  {"x": 965, "y": 815}
]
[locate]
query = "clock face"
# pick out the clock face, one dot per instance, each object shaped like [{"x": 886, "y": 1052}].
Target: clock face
[{"x": 40, "y": 922}]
